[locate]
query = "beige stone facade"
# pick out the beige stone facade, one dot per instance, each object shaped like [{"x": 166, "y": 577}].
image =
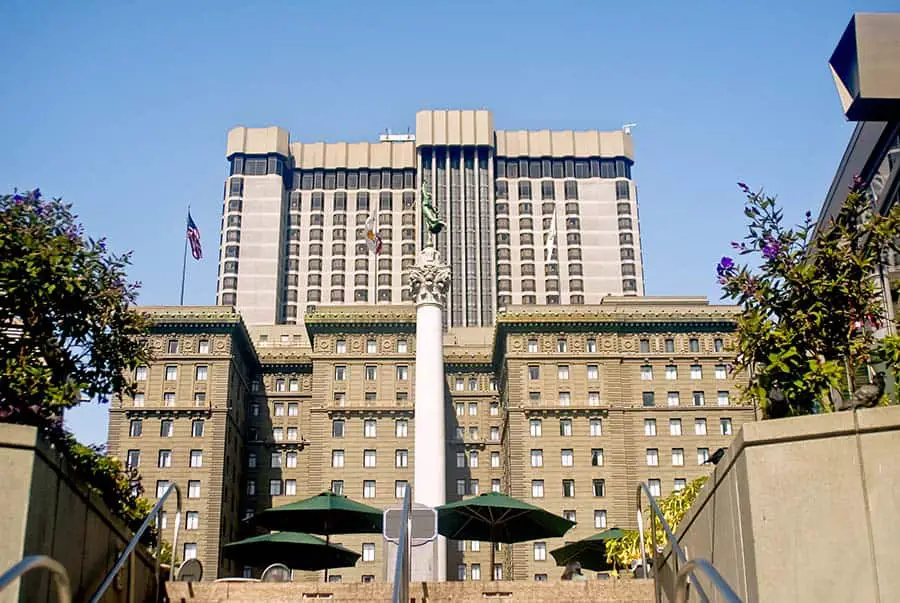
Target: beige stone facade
[
  {"x": 533, "y": 217},
  {"x": 552, "y": 406}
]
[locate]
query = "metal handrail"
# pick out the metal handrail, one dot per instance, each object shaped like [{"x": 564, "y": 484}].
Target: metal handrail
[
  {"x": 123, "y": 556},
  {"x": 681, "y": 591},
  {"x": 677, "y": 552},
  {"x": 33, "y": 562},
  {"x": 400, "y": 592}
]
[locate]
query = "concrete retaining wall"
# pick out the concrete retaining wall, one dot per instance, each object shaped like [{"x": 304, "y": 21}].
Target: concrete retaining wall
[
  {"x": 613, "y": 591},
  {"x": 804, "y": 509},
  {"x": 44, "y": 511}
]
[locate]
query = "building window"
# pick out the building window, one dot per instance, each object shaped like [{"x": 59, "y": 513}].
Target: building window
[
  {"x": 565, "y": 398},
  {"x": 461, "y": 487},
  {"x": 532, "y": 346},
  {"x": 133, "y": 459},
  {"x": 196, "y": 458},
  {"x": 495, "y": 485},
  {"x": 400, "y": 486},
  {"x": 596, "y": 426},
  {"x": 655, "y": 487},
  {"x": 725, "y": 426},
  {"x": 540, "y": 551},
  {"x": 524, "y": 189},
  {"x": 562, "y": 372},
  {"x": 678, "y": 457},
  {"x": 251, "y": 487},
  {"x": 199, "y": 399},
  {"x": 593, "y": 398},
  {"x": 694, "y": 344},
  {"x": 371, "y": 372},
  {"x": 340, "y": 373},
  {"x": 164, "y": 459},
  {"x": 568, "y": 486},
  {"x": 670, "y": 345},
  {"x": 368, "y": 551},
  {"x": 369, "y": 488},
  {"x": 537, "y": 488},
  {"x": 671, "y": 372},
  {"x": 251, "y": 460},
  {"x": 275, "y": 460},
  {"x": 561, "y": 346},
  {"x": 274, "y": 487},
  {"x": 337, "y": 459},
  {"x": 192, "y": 520},
  {"x": 722, "y": 398},
  {"x": 166, "y": 428},
  {"x": 699, "y": 399},
  {"x": 140, "y": 373},
  {"x": 337, "y": 487},
  {"x": 340, "y": 346},
  {"x": 702, "y": 455},
  {"x": 534, "y": 426},
  {"x": 596, "y": 457},
  {"x": 567, "y": 457},
  {"x": 675, "y": 427},
  {"x": 495, "y": 460},
  {"x": 171, "y": 373},
  {"x": 598, "y": 487},
  {"x": 290, "y": 487},
  {"x": 498, "y": 571},
  {"x": 599, "y": 519},
  {"x": 534, "y": 373},
  {"x": 401, "y": 428},
  {"x": 202, "y": 373},
  {"x": 652, "y": 457},
  {"x": 370, "y": 428},
  {"x": 161, "y": 486},
  {"x": 537, "y": 458},
  {"x": 190, "y": 550},
  {"x": 680, "y": 484},
  {"x": 135, "y": 428},
  {"x": 649, "y": 427},
  {"x": 622, "y": 190},
  {"x": 718, "y": 345},
  {"x": 401, "y": 458},
  {"x": 571, "y": 190},
  {"x": 673, "y": 398},
  {"x": 696, "y": 371},
  {"x": 647, "y": 399},
  {"x": 337, "y": 428},
  {"x": 473, "y": 409},
  {"x": 291, "y": 459},
  {"x": 700, "y": 427},
  {"x": 565, "y": 427},
  {"x": 369, "y": 458},
  {"x": 593, "y": 372},
  {"x": 646, "y": 373},
  {"x": 721, "y": 371},
  {"x": 645, "y": 346},
  {"x": 193, "y": 488}
]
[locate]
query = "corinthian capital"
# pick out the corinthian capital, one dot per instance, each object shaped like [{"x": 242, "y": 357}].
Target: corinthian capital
[{"x": 429, "y": 279}]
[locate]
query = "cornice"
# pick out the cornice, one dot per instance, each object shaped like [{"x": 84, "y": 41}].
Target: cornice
[{"x": 361, "y": 319}]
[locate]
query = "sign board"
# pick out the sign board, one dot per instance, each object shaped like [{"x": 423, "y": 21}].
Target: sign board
[{"x": 423, "y": 524}]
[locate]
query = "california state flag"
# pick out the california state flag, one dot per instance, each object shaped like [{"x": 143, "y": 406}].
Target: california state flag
[{"x": 372, "y": 237}]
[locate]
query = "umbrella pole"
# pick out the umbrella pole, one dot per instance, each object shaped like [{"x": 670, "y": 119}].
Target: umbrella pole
[
  {"x": 327, "y": 543},
  {"x": 493, "y": 555}
]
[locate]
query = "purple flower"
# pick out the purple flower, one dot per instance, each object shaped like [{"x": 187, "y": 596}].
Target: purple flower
[
  {"x": 770, "y": 249},
  {"x": 36, "y": 194},
  {"x": 808, "y": 214},
  {"x": 17, "y": 199},
  {"x": 101, "y": 245},
  {"x": 726, "y": 265},
  {"x": 744, "y": 187}
]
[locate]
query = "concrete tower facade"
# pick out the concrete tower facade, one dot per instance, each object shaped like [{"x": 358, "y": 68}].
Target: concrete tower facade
[{"x": 533, "y": 218}]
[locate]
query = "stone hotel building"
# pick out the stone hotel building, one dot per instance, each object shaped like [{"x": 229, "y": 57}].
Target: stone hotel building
[{"x": 566, "y": 407}]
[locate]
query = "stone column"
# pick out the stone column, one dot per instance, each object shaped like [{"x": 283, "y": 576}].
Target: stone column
[{"x": 429, "y": 280}]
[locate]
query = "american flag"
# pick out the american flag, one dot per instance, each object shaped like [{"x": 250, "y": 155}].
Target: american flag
[{"x": 193, "y": 237}]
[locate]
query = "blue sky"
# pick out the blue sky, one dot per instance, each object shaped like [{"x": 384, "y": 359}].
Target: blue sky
[{"x": 122, "y": 107}]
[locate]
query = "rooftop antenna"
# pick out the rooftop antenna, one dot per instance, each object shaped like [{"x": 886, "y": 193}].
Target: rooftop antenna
[{"x": 627, "y": 128}]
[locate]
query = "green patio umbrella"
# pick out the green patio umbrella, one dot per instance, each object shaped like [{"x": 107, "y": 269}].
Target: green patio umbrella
[
  {"x": 495, "y": 517},
  {"x": 590, "y": 552},
  {"x": 294, "y": 549},
  {"x": 326, "y": 514}
]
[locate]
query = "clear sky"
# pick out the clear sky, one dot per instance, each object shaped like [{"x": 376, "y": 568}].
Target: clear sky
[{"x": 122, "y": 108}]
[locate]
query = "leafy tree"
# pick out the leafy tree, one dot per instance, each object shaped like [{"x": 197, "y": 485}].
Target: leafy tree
[
  {"x": 811, "y": 306},
  {"x": 68, "y": 331},
  {"x": 67, "y": 328},
  {"x": 622, "y": 551}
]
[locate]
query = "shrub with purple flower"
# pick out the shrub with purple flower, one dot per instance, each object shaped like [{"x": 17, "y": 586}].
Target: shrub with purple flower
[{"x": 802, "y": 303}]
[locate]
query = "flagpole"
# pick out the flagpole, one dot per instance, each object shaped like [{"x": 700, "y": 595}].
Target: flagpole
[{"x": 184, "y": 259}]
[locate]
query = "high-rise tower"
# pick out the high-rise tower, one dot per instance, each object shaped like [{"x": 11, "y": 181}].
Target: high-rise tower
[{"x": 533, "y": 217}]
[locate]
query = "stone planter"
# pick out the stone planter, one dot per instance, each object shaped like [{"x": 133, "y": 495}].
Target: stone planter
[
  {"x": 803, "y": 509},
  {"x": 46, "y": 511}
]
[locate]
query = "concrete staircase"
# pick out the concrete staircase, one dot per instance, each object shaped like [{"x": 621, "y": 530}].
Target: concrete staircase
[{"x": 611, "y": 591}]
